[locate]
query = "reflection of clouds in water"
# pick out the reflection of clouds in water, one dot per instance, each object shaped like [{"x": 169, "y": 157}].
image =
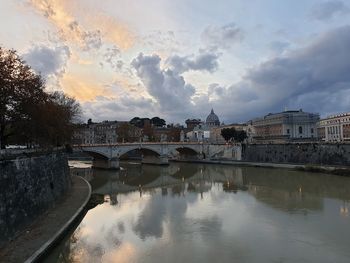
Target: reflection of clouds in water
[
  {"x": 121, "y": 227},
  {"x": 226, "y": 227},
  {"x": 161, "y": 211},
  {"x": 92, "y": 253},
  {"x": 81, "y": 249},
  {"x": 99, "y": 239},
  {"x": 112, "y": 236},
  {"x": 125, "y": 253},
  {"x": 149, "y": 222},
  {"x": 169, "y": 215},
  {"x": 209, "y": 225}
]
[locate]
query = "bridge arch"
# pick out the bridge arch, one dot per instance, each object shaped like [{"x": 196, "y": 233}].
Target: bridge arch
[
  {"x": 144, "y": 151},
  {"x": 102, "y": 159},
  {"x": 95, "y": 154},
  {"x": 186, "y": 151}
]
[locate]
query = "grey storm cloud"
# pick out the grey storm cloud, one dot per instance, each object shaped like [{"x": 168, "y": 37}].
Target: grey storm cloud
[
  {"x": 205, "y": 61},
  {"x": 223, "y": 37},
  {"x": 328, "y": 9},
  {"x": 168, "y": 87},
  {"x": 48, "y": 61},
  {"x": 315, "y": 78}
]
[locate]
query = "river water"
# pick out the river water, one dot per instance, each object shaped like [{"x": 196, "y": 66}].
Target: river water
[{"x": 210, "y": 213}]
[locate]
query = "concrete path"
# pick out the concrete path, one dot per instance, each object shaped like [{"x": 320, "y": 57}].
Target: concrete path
[{"x": 49, "y": 227}]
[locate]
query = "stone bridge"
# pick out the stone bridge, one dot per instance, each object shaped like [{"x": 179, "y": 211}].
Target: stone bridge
[{"x": 108, "y": 155}]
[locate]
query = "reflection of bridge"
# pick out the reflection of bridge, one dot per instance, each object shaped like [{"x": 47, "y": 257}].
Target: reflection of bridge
[
  {"x": 108, "y": 156},
  {"x": 197, "y": 180}
]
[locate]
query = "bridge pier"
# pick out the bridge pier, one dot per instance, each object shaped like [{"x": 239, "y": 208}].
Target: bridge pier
[
  {"x": 112, "y": 163},
  {"x": 158, "y": 160}
]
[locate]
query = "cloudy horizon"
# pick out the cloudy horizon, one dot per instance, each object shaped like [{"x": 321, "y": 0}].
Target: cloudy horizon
[{"x": 122, "y": 59}]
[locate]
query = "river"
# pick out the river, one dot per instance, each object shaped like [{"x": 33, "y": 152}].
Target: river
[{"x": 210, "y": 213}]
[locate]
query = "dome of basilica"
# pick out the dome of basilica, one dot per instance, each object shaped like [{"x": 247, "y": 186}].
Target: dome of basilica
[{"x": 212, "y": 119}]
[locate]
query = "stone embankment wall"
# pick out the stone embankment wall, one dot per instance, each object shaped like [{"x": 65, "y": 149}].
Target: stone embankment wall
[
  {"x": 28, "y": 186},
  {"x": 303, "y": 153}
]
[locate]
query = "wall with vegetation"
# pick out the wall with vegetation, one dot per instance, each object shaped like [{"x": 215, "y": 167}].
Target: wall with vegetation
[{"x": 28, "y": 186}]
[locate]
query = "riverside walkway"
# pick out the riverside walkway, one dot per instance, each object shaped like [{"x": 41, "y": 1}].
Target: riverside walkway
[{"x": 32, "y": 243}]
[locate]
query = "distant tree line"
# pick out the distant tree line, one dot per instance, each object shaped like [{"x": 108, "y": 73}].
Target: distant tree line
[
  {"x": 28, "y": 114},
  {"x": 230, "y": 134}
]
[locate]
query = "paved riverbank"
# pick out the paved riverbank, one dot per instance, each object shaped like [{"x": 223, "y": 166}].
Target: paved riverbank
[{"x": 32, "y": 243}]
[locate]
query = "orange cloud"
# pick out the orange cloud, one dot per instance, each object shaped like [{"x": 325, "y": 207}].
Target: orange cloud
[
  {"x": 60, "y": 14},
  {"x": 112, "y": 30},
  {"x": 83, "y": 90}
]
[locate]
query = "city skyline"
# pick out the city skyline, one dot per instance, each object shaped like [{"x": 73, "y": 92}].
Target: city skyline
[{"x": 122, "y": 59}]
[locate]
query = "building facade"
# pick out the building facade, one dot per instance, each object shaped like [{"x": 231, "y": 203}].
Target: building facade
[
  {"x": 191, "y": 123},
  {"x": 335, "y": 128},
  {"x": 96, "y": 133},
  {"x": 285, "y": 126},
  {"x": 202, "y": 131}
]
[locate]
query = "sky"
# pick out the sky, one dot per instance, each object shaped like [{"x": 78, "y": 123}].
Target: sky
[{"x": 178, "y": 59}]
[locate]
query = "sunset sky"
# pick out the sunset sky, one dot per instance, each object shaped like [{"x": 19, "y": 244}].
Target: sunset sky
[{"x": 178, "y": 59}]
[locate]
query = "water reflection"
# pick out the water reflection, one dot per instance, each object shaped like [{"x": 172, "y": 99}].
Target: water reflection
[{"x": 199, "y": 213}]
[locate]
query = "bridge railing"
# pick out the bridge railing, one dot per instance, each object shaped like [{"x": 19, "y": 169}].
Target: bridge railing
[{"x": 146, "y": 143}]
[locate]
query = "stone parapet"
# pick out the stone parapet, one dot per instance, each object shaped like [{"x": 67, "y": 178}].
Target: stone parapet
[{"x": 29, "y": 186}]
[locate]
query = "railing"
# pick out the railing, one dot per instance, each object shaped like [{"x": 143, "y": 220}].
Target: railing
[{"x": 147, "y": 143}]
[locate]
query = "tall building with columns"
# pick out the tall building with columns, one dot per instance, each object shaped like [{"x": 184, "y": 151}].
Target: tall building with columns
[
  {"x": 335, "y": 128},
  {"x": 291, "y": 125}
]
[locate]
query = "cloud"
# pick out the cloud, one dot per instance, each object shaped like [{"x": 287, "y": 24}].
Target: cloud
[
  {"x": 162, "y": 41},
  {"x": 205, "y": 61},
  {"x": 168, "y": 87},
  {"x": 278, "y": 47},
  {"x": 223, "y": 37},
  {"x": 314, "y": 78},
  {"x": 83, "y": 89},
  {"x": 88, "y": 39},
  {"x": 122, "y": 108},
  {"x": 112, "y": 57},
  {"x": 215, "y": 89},
  {"x": 328, "y": 10},
  {"x": 89, "y": 31},
  {"x": 112, "y": 30},
  {"x": 48, "y": 61}
]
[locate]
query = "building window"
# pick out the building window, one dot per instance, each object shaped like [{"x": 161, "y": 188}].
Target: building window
[
  {"x": 300, "y": 130},
  {"x": 288, "y": 131},
  {"x": 312, "y": 130}
]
